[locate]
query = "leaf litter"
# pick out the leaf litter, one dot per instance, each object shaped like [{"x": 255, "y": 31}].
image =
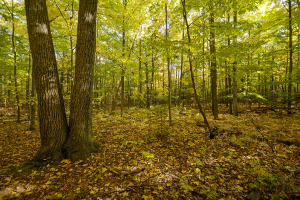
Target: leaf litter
[{"x": 142, "y": 157}]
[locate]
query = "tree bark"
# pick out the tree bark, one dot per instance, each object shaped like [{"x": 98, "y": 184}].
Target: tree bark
[
  {"x": 80, "y": 142},
  {"x": 52, "y": 117}
]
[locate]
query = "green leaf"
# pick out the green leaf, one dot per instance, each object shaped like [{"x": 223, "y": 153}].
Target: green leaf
[
  {"x": 254, "y": 185},
  {"x": 59, "y": 195},
  {"x": 134, "y": 178},
  {"x": 186, "y": 187}
]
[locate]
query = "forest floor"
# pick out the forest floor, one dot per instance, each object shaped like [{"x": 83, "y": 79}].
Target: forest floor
[{"x": 142, "y": 157}]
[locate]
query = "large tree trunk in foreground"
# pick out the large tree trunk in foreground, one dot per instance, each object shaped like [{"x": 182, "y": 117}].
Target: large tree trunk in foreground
[
  {"x": 52, "y": 117},
  {"x": 80, "y": 142}
]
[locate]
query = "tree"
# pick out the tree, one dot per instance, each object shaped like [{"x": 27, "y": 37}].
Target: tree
[
  {"x": 192, "y": 72},
  {"x": 213, "y": 70},
  {"x": 80, "y": 142},
  {"x": 56, "y": 140},
  {"x": 168, "y": 67}
]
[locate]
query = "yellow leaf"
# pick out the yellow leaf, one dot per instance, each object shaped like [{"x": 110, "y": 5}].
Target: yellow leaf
[
  {"x": 130, "y": 184},
  {"x": 48, "y": 182},
  {"x": 104, "y": 169},
  {"x": 197, "y": 183},
  {"x": 282, "y": 155},
  {"x": 7, "y": 179}
]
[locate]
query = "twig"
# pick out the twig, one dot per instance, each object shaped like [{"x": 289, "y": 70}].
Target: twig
[
  {"x": 149, "y": 178},
  {"x": 112, "y": 170},
  {"x": 258, "y": 129}
]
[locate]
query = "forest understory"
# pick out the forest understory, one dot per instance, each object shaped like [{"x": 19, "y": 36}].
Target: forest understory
[{"x": 253, "y": 156}]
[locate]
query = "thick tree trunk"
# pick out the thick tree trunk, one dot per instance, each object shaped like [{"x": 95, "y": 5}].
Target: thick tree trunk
[
  {"x": 52, "y": 117},
  {"x": 80, "y": 142}
]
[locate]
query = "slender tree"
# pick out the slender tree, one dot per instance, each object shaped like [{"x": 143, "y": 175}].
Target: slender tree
[
  {"x": 234, "y": 78},
  {"x": 192, "y": 72},
  {"x": 213, "y": 69},
  {"x": 290, "y": 58},
  {"x": 168, "y": 67}
]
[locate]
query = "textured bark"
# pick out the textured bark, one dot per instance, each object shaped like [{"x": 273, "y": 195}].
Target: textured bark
[
  {"x": 80, "y": 142},
  {"x": 52, "y": 118}
]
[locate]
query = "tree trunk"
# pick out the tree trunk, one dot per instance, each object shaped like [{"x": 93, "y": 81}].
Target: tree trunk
[
  {"x": 52, "y": 117},
  {"x": 168, "y": 67},
  {"x": 28, "y": 86},
  {"x": 291, "y": 58},
  {"x": 213, "y": 70},
  {"x": 123, "y": 70},
  {"x": 32, "y": 124},
  {"x": 192, "y": 73},
  {"x": 140, "y": 75},
  {"x": 234, "y": 79},
  {"x": 15, "y": 61},
  {"x": 203, "y": 77},
  {"x": 181, "y": 66},
  {"x": 80, "y": 142}
]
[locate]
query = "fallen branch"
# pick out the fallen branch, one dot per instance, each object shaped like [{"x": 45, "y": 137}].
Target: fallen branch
[{"x": 258, "y": 129}]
